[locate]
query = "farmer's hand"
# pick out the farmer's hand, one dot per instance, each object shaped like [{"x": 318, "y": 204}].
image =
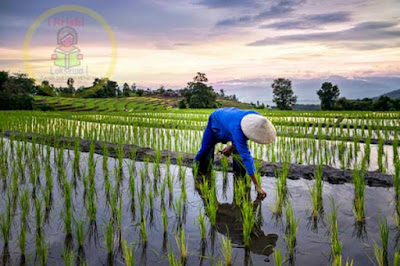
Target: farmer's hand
[
  {"x": 260, "y": 193},
  {"x": 227, "y": 151}
]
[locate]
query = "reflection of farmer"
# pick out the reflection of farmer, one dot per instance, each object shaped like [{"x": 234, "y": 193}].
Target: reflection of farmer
[
  {"x": 237, "y": 126},
  {"x": 229, "y": 222},
  {"x": 67, "y": 54}
]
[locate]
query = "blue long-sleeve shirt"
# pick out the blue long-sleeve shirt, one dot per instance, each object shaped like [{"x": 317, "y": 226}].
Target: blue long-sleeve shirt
[{"x": 223, "y": 126}]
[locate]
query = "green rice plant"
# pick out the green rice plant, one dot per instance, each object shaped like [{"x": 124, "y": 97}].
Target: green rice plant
[
  {"x": 248, "y": 220},
  {"x": 141, "y": 198},
  {"x": 24, "y": 203},
  {"x": 316, "y": 192},
  {"x": 91, "y": 204},
  {"x": 22, "y": 239},
  {"x": 210, "y": 199},
  {"x": 69, "y": 257},
  {"x": 41, "y": 248},
  {"x": 226, "y": 250},
  {"x": 164, "y": 218},
  {"x": 5, "y": 224},
  {"x": 162, "y": 192},
  {"x": 38, "y": 213},
  {"x": 178, "y": 209},
  {"x": 381, "y": 253},
  {"x": 201, "y": 224},
  {"x": 182, "y": 175},
  {"x": 381, "y": 152},
  {"x": 156, "y": 164},
  {"x": 359, "y": 191},
  {"x": 171, "y": 259},
  {"x": 396, "y": 179},
  {"x": 68, "y": 212},
  {"x": 291, "y": 229},
  {"x": 278, "y": 257},
  {"x": 336, "y": 245},
  {"x": 225, "y": 165},
  {"x": 108, "y": 233},
  {"x": 396, "y": 259},
  {"x": 143, "y": 232},
  {"x": 80, "y": 232},
  {"x": 182, "y": 245},
  {"x": 128, "y": 253}
]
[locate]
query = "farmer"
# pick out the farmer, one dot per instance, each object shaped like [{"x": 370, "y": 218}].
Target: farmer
[{"x": 237, "y": 126}]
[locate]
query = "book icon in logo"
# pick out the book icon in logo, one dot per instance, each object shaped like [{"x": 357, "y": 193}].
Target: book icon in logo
[{"x": 67, "y": 55}]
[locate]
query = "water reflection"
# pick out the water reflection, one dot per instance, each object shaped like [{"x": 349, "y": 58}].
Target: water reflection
[{"x": 229, "y": 222}]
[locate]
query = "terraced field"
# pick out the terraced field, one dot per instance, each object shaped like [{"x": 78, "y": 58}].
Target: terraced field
[{"x": 130, "y": 104}]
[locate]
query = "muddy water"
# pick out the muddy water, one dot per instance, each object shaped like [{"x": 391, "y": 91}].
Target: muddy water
[{"x": 313, "y": 244}]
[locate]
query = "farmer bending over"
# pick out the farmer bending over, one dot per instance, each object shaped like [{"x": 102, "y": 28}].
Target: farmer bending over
[{"x": 237, "y": 126}]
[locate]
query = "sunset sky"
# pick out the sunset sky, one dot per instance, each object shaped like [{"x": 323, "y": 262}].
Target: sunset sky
[{"x": 242, "y": 45}]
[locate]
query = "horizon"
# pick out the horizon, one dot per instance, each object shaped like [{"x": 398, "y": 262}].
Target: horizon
[{"x": 241, "y": 45}]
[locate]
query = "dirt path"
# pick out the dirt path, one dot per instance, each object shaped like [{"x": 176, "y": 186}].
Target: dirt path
[{"x": 296, "y": 171}]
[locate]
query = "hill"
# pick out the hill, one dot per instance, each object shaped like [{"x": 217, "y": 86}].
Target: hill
[
  {"x": 393, "y": 94},
  {"x": 129, "y": 104}
]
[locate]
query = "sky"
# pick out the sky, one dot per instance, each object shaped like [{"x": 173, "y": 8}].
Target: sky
[{"x": 241, "y": 45}]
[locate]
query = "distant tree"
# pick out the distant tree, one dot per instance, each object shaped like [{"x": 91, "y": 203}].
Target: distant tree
[
  {"x": 384, "y": 103},
  {"x": 126, "y": 90},
  {"x": 139, "y": 92},
  {"x": 198, "y": 95},
  {"x": 45, "y": 89},
  {"x": 328, "y": 94},
  {"x": 222, "y": 93},
  {"x": 160, "y": 90},
  {"x": 15, "y": 91},
  {"x": 182, "y": 104},
  {"x": 133, "y": 87},
  {"x": 283, "y": 94}
]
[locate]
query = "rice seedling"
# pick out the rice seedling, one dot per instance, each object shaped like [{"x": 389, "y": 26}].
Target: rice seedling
[
  {"x": 80, "y": 232},
  {"x": 5, "y": 224},
  {"x": 336, "y": 245},
  {"x": 381, "y": 153},
  {"x": 210, "y": 199},
  {"x": 172, "y": 260},
  {"x": 278, "y": 257},
  {"x": 108, "y": 233},
  {"x": 381, "y": 253},
  {"x": 68, "y": 212},
  {"x": 41, "y": 248},
  {"x": 359, "y": 191},
  {"x": 248, "y": 220},
  {"x": 22, "y": 239},
  {"x": 38, "y": 213},
  {"x": 396, "y": 259},
  {"x": 226, "y": 250},
  {"x": 143, "y": 232},
  {"x": 316, "y": 192},
  {"x": 128, "y": 253},
  {"x": 69, "y": 257},
  {"x": 164, "y": 218},
  {"x": 201, "y": 225},
  {"x": 290, "y": 236},
  {"x": 182, "y": 245}
]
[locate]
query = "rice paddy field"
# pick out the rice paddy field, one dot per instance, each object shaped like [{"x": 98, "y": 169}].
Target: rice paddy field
[{"x": 61, "y": 202}]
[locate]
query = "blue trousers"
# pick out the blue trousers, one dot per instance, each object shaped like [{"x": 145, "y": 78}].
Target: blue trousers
[{"x": 205, "y": 165}]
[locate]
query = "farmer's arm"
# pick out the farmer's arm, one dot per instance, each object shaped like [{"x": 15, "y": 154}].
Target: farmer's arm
[{"x": 240, "y": 143}]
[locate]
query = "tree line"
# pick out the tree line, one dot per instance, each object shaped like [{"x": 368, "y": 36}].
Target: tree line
[{"x": 284, "y": 98}]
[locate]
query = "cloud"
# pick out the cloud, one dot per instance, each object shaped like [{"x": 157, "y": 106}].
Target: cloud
[
  {"x": 310, "y": 22},
  {"x": 282, "y": 7},
  {"x": 367, "y": 31},
  {"x": 228, "y": 3}
]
